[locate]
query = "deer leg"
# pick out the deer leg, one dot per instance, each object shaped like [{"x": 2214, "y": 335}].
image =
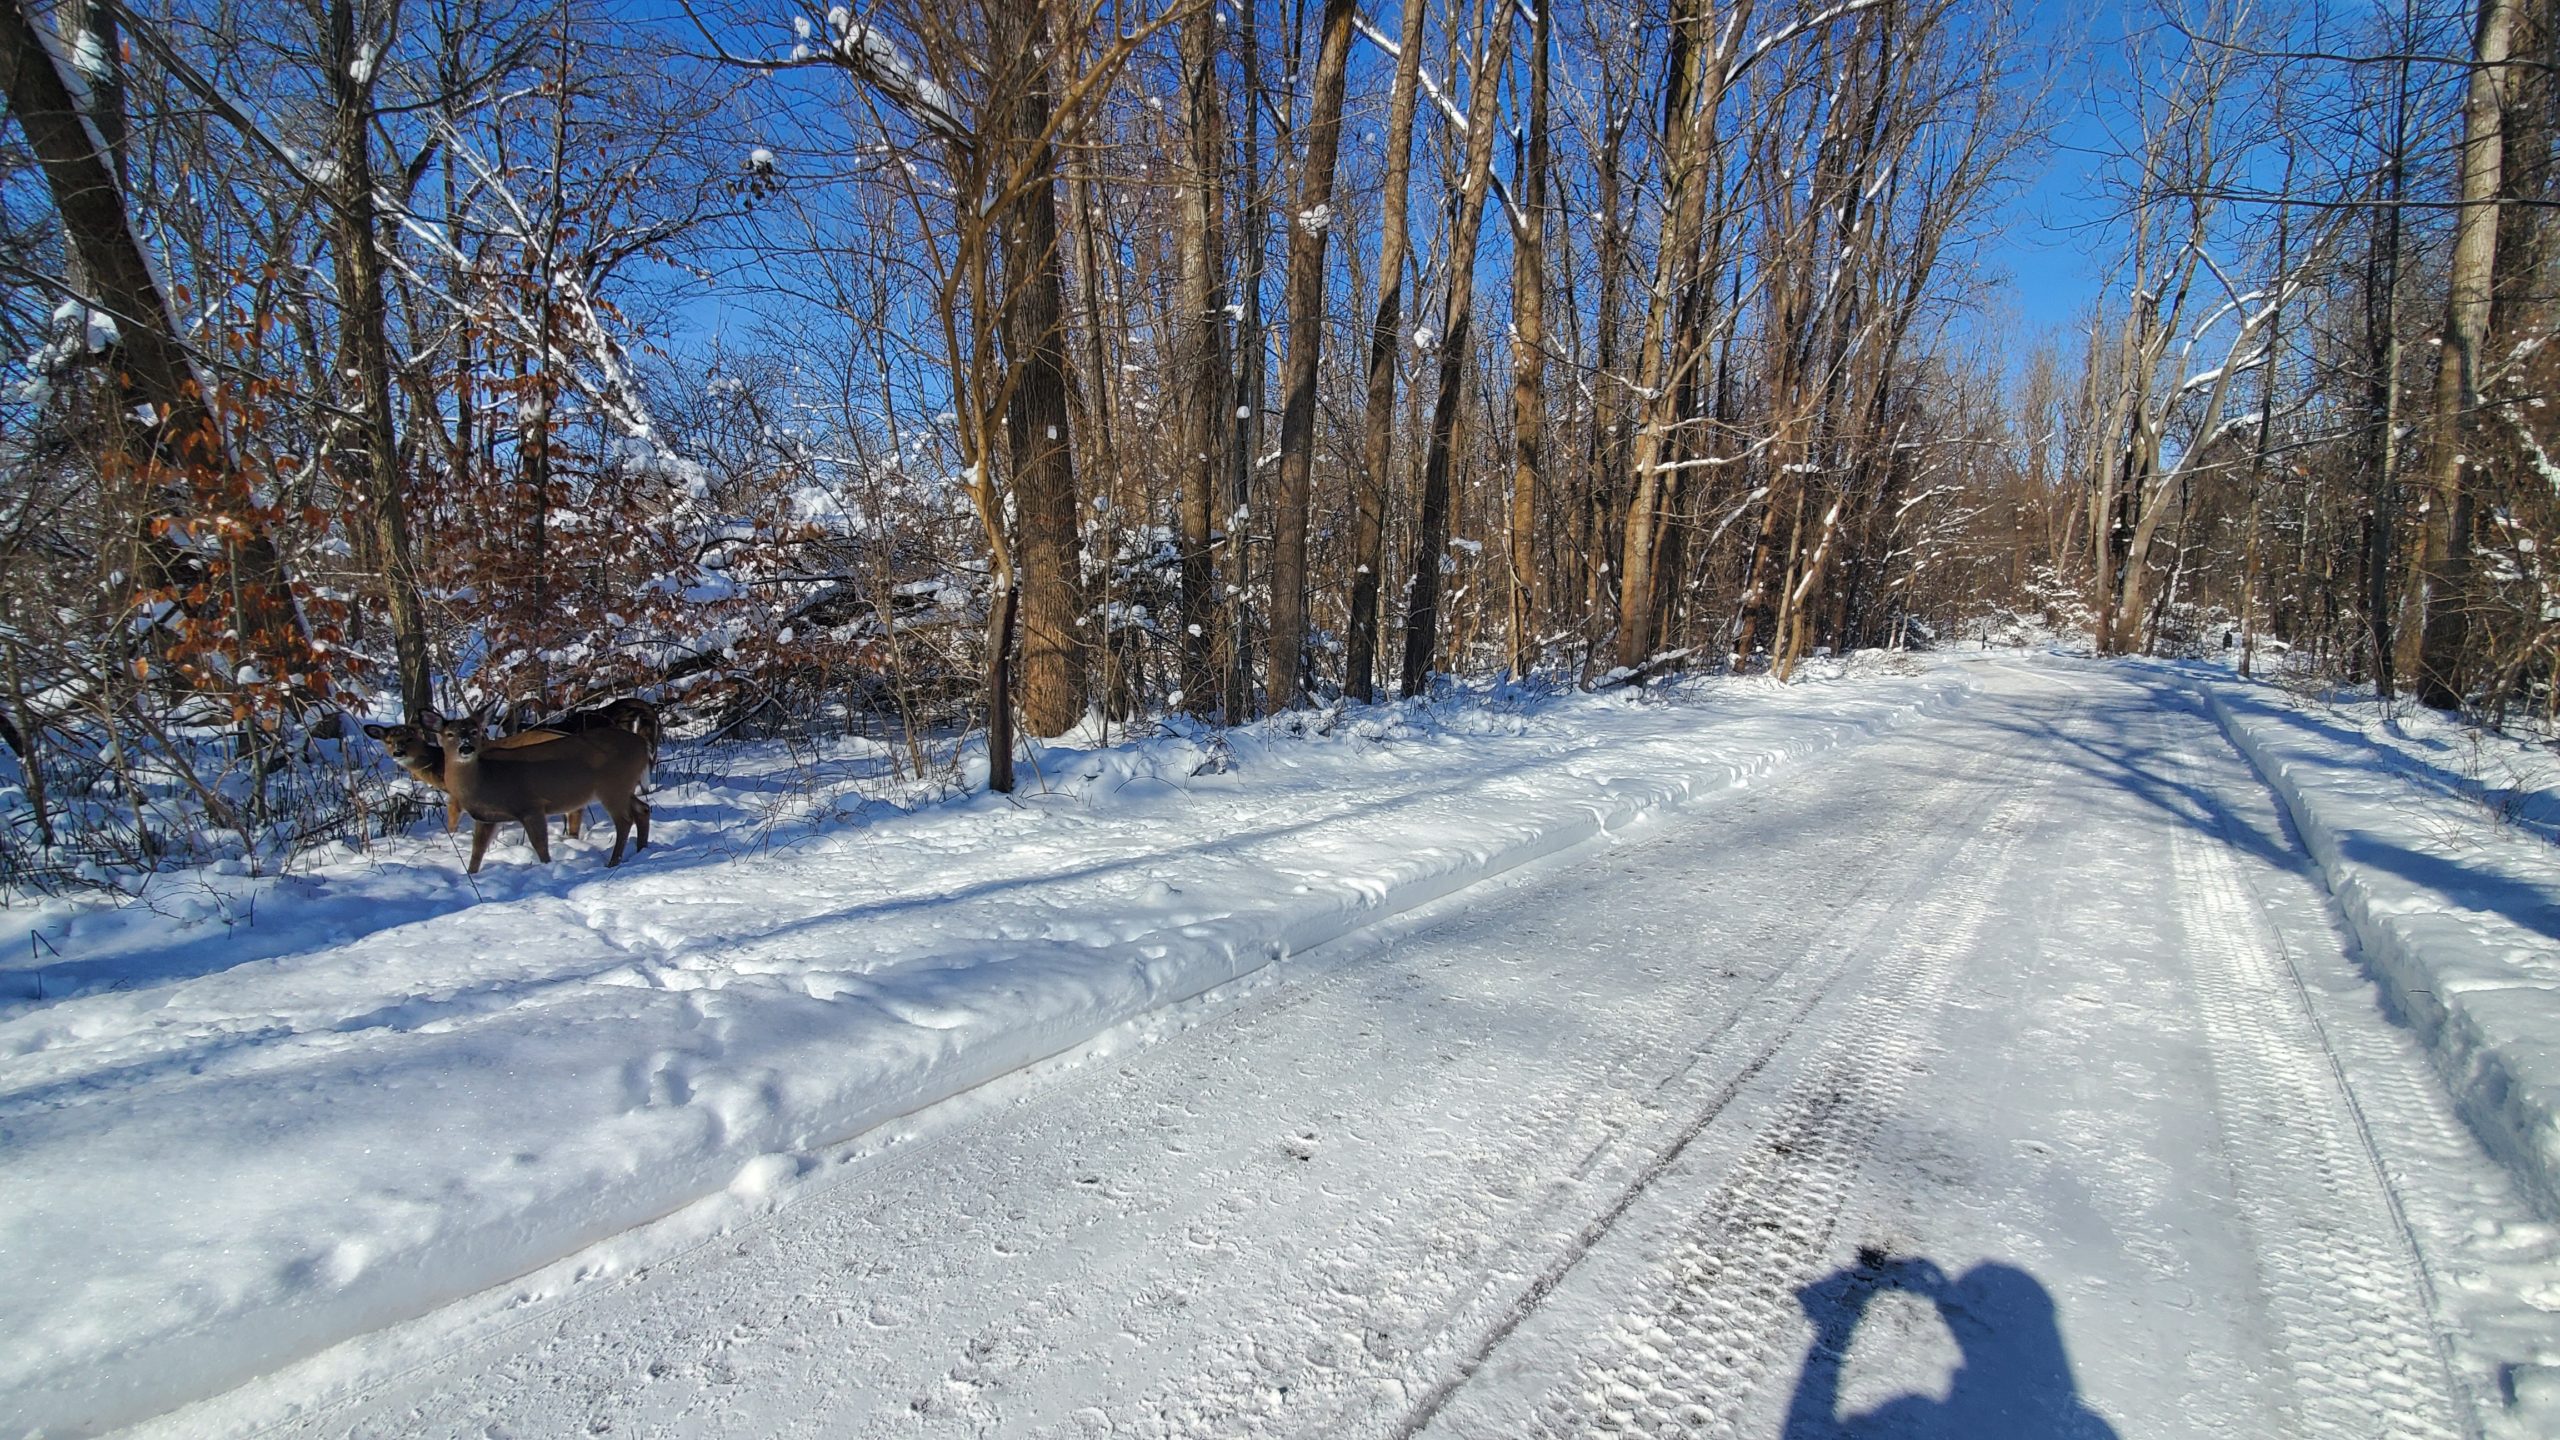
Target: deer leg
[
  {"x": 481, "y": 830},
  {"x": 452, "y": 814},
  {"x": 621, "y": 830},
  {"x": 640, "y": 815},
  {"x": 537, "y": 827}
]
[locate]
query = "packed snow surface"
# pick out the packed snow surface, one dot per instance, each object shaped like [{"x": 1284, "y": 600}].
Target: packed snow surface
[
  {"x": 230, "y": 1144},
  {"x": 1974, "y": 1052}
]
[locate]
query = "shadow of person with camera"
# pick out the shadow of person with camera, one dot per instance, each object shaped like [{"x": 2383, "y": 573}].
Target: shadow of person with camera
[{"x": 2015, "y": 1380}]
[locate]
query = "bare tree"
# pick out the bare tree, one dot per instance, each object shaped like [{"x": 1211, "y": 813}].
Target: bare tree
[
  {"x": 1369, "y": 484},
  {"x": 2446, "y": 562},
  {"x": 1529, "y": 358},
  {"x": 1492, "y": 54},
  {"x": 1308, "y": 230},
  {"x": 1201, "y": 363}
]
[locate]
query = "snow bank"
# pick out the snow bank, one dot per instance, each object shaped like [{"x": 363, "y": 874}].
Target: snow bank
[
  {"x": 2453, "y": 890},
  {"x": 225, "y": 1145}
]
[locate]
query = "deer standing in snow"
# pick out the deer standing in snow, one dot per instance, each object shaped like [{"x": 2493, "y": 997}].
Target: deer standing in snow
[{"x": 528, "y": 782}]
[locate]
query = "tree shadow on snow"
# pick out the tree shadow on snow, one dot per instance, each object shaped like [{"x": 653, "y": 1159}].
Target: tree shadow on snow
[
  {"x": 2014, "y": 1380},
  {"x": 2535, "y": 814}
]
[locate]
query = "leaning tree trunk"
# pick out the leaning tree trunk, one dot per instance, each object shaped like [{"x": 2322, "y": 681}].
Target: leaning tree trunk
[
  {"x": 1369, "y": 492},
  {"x": 182, "y": 448},
  {"x": 1422, "y": 614},
  {"x": 1308, "y": 229}
]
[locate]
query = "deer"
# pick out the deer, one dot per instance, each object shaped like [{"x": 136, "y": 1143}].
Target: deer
[
  {"x": 637, "y": 716},
  {"x": 419, "y": 752},
  {"x": 528, "y": 783}
]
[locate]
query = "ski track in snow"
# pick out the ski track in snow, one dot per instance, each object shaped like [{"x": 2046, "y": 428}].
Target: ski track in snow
[{"x": 2005, "y": 1076}]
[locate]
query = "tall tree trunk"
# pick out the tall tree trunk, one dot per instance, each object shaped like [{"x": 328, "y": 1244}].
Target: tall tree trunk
[
  {"x": 2251, "y": 571},
  {"x": 1246, "y": 442},
  {"x": 2382, "y": 350},
  {"x": 366, "y": 339},
  {"x": 1048, "y": 521},
  {"x": 1201, "y": 369},
  {"x": 1698, "y": 64},
  {"x": 1529, "y": 361},
  {"x": 1120, "y": 675},
  {"x": 1422, "y": 614},
  {"x": 1369, "y": 492},
  {"x": 1308, "y": 229},
  {"x": 1607, "y": 461},
  {"x": 2447, "y": 560}
]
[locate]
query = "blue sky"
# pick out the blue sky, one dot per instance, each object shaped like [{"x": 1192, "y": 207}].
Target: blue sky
[{"x": 2044, "y": 237}]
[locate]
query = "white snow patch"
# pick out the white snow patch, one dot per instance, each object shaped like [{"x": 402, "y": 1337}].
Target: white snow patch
[{"x": 233, "y": 1145}]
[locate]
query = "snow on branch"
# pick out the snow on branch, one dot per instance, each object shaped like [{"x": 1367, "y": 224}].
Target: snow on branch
[
  {"x": 1790, "y": 31},
  {"x": 1449, "y": 111},
  {"x": 619, "y": 395},
  {"x": 2534, "y": 454},
  {"x": 1431, "y": 88},
  {"x": 871, "y": 56},
  {"x": 878, "y": 60}
]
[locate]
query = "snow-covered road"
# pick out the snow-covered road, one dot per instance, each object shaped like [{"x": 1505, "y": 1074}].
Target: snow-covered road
[{"x": 2000, "y": 1076}]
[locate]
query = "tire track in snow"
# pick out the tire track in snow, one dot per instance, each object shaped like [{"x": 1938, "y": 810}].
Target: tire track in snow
[
  {"x": 2345, "y": 1287},
  {"x": 1503, "y": 1160},
  {"x": 1635, "y": 1111},
  {"x": 1704, "y": 1324},
  {"x": 2478, "y": 1243}
]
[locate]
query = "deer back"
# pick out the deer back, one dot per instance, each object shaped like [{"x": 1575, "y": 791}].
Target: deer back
[{"x": 635, "y": 715}]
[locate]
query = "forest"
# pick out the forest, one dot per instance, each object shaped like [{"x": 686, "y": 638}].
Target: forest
[{"x": 958, "y": 374}]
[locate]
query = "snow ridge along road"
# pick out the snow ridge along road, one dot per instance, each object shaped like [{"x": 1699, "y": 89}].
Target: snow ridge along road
[
  {"x": 209, "y": 1170},
  {"x": 2457, "y": 910},
  {"x": 1915, "y": 1094}
]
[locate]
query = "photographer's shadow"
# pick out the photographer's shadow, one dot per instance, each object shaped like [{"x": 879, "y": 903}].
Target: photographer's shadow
[{"x": 2015, "y": 1380}]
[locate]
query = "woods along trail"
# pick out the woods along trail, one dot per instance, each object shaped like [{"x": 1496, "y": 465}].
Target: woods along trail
[{"x": 1999, "y": 1076}]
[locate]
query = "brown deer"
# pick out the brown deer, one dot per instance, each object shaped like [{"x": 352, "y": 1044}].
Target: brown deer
[
  {"x": 637, "y": 716},
  {"x": 527, "y": 783},
  {"x": 419, "y": 751}
]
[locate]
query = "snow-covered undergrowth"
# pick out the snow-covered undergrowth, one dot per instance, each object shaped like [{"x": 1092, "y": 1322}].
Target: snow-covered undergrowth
[
  {"x": 2442, "y": 847},
  {"x": 274, "y": 1113}
]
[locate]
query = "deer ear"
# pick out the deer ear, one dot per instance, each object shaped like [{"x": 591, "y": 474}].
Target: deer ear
[
  {"x": 479, "y": 721},
  {"x": 377, "y": 732}
]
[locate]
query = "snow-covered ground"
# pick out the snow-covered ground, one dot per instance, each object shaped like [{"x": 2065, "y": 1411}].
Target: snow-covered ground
[
  {"x": 2442, "y": 847},
  {"x": 1990, "y": 1062},
  {"x": 231, "y": 1144}
]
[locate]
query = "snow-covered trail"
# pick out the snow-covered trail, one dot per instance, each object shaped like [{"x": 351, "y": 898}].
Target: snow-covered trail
[{"x": 2002, "y": 1079}]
